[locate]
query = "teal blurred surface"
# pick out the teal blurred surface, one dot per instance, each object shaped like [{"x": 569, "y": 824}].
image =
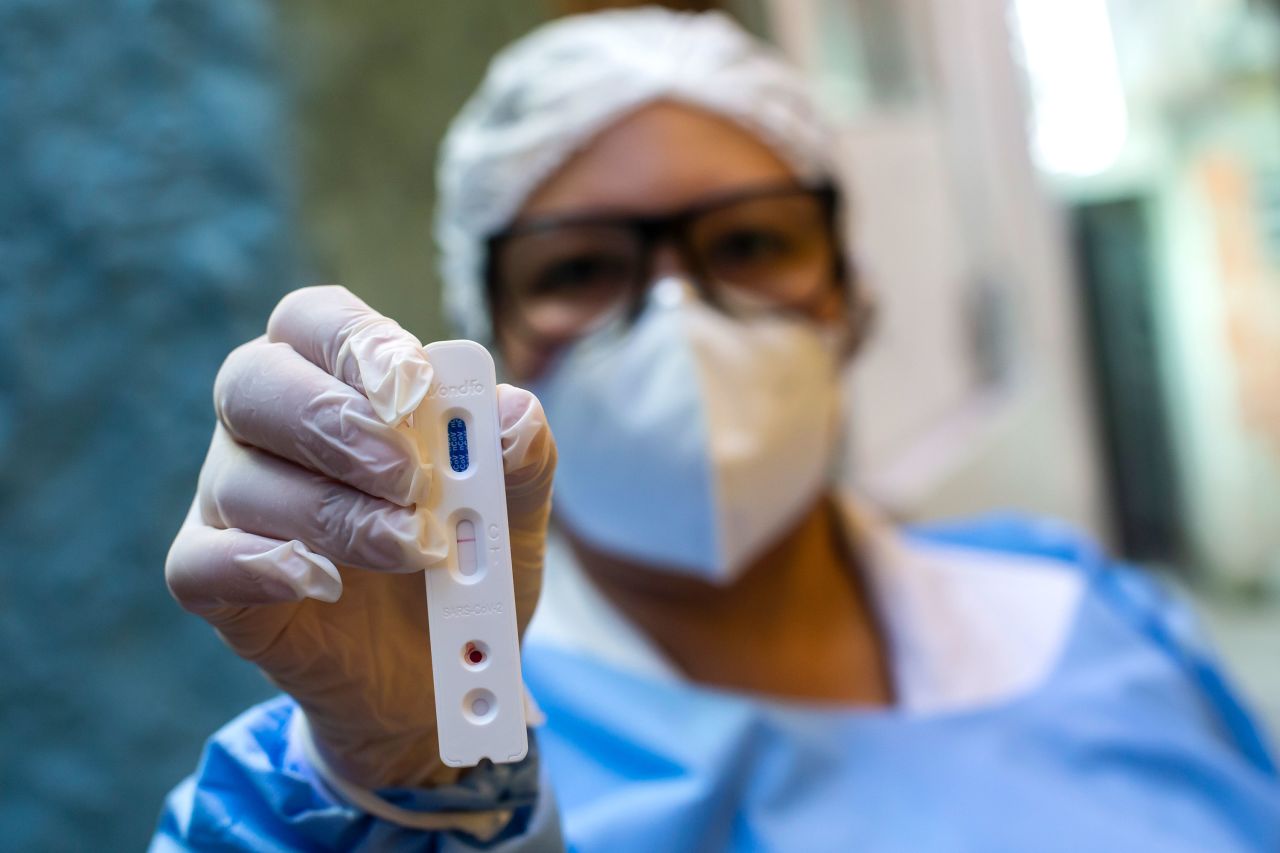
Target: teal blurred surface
[{"x": 145, "y": 229}]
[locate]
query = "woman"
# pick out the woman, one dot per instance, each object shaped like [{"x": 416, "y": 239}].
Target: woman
[{"x": 639, "y": 216}]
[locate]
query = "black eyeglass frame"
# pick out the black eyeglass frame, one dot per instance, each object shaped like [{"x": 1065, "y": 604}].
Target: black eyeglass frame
[{"x": 674, "y": 227}]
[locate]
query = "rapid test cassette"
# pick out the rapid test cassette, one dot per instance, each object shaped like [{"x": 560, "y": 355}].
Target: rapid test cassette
[{"x": 475, "y": 648}]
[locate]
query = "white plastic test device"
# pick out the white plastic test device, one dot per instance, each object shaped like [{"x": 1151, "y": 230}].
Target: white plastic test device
[{"x": 475, "y": 647}]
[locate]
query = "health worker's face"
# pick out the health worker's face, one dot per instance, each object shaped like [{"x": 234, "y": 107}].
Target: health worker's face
[{"x": 664, "y": 157}]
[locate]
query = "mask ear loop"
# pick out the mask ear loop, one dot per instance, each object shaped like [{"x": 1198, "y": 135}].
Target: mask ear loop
[
  {"x": 492, "y": 295},
  {"x": 863, "y": 307},
  {"x": 862, "y": 311}
]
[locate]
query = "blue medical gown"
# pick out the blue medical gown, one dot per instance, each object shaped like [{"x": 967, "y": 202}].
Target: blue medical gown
[{"x": 1135, "y": 742}]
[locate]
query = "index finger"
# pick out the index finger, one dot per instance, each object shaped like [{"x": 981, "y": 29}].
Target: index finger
[{"x": 335, "y": 330}]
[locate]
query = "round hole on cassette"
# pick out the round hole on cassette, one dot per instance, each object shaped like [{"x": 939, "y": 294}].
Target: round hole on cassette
[
  {"x": 479, "y": 707},
  {"x": 475, "y": 655}
]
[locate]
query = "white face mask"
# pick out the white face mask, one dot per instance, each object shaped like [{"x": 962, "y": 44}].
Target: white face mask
[{"x": 694, "y": 440}]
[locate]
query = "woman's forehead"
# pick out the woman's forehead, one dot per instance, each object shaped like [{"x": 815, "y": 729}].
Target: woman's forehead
[{"x": 662, "y": 156}]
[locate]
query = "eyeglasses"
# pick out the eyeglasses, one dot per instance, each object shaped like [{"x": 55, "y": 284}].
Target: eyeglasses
[{"x": 775, "y": 246}]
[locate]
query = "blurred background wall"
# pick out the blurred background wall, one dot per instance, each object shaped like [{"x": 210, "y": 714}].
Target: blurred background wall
[
  {"x": 373, "y": 89},
  {"x": 146, "y": 226},
  {"x": 1070, "y": 213}
]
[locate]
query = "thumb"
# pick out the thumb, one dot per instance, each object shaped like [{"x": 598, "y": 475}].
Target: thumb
[
  {"x": 529, "y": 461},
  {"x": 528, "y": 452}
]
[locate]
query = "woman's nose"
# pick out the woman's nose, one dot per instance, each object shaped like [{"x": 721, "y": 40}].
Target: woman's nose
[{"x": 668, "y": 263}]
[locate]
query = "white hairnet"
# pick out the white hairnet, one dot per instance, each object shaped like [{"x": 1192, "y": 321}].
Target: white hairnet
[{"x": 545, "y": 96}]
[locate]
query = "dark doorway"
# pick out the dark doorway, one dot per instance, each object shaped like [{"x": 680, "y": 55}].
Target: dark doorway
[{"x": 1114, "y": 256}]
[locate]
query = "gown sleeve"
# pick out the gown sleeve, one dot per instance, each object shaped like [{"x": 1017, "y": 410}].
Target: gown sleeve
[{"x": 255, "y": 790}]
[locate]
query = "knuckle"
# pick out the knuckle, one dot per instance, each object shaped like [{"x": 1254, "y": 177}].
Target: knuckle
[
  {"x": 178, "y": 575},
  {"x": 227, "y": 473},
  {"x": 224, "y": 383},
  {"x": 293, "y": 302},
  {"x": 173, "y": 570},
  {"x": 329, "y": 433},
  {"x": 358, "y": 526},
  {"x": 284, "y": 310},
  {"x": 299, "y": 304},
  {"x": 339, "y": 519},
  {"x": 249, "y": 385},
  {"x": 342, "y": 438},
  {"x": 246, "y": 363}
]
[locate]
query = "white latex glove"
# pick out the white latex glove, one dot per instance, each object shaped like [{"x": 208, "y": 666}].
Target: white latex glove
[{"x": 303, "y": 547}]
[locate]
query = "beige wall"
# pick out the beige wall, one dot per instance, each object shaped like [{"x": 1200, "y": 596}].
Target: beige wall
[{"x": 377, "y": 84}]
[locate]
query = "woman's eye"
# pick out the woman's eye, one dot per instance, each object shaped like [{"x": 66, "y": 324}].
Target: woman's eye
[
  {"x": 755, "y": 245},
  {"x": 586, "y": 272}
]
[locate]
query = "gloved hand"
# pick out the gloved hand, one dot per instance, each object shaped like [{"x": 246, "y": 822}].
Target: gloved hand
[{"x": 303, "y": 547}]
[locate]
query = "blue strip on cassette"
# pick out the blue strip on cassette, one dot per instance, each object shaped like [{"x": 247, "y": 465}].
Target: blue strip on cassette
[{"x": 459, "y": 454}]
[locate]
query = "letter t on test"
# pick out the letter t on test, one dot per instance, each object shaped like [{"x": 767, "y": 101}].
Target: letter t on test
[
  {"x": 475, "y": 645},
  {"x": 495, "y": 544}
]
